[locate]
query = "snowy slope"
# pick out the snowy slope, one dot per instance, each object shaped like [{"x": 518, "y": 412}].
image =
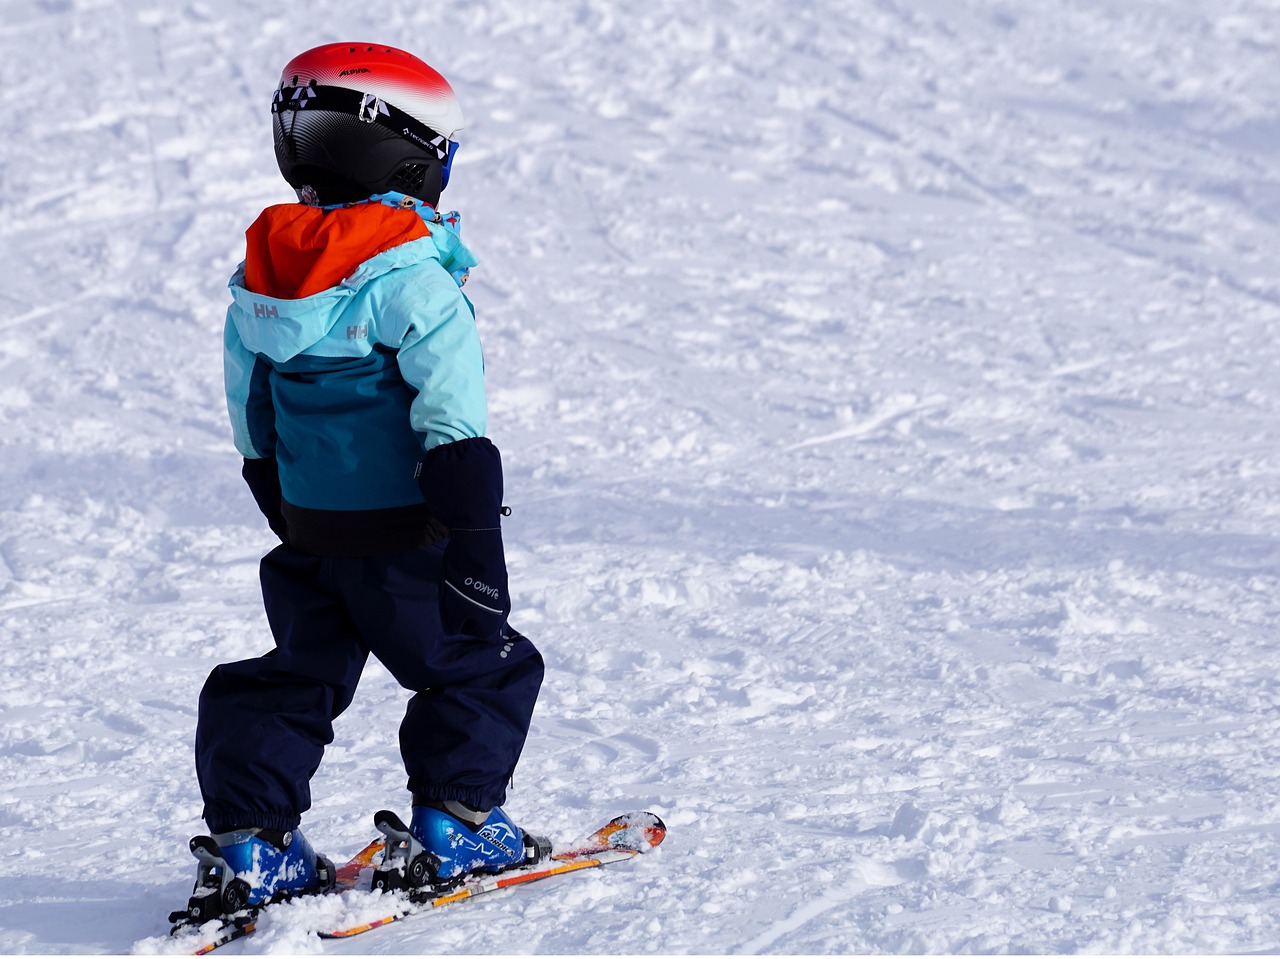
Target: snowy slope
[{"x": 889, "y": 394}]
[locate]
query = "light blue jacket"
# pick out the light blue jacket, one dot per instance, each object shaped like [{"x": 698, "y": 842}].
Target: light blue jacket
[{"x": 349, "y": 387}]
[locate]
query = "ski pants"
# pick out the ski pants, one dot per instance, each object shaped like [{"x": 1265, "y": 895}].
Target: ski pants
[{"x": 264, "y": 722}]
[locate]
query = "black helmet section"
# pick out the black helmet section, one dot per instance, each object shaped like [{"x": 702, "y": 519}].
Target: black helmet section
[{"x": 336, "y": 145}]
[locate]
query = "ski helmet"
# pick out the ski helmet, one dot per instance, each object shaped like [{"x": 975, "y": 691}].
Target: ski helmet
[{"x": 353, "y": 120}]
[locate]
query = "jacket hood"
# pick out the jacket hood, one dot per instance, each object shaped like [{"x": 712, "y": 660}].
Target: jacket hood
[
  {"x": 303, "y": 264},
  {"x": 294, "y": 251}
]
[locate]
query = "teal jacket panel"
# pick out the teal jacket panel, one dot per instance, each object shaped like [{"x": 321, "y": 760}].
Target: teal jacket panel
[{"x": 349, "y": 387}]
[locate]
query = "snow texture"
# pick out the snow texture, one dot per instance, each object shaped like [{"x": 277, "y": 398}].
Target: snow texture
[{"x": 888, "y": 392}]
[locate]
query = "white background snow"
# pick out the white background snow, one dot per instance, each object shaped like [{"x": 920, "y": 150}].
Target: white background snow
[{"x": 888, "y": 391}]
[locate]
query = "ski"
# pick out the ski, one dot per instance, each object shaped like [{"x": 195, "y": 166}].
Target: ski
[{"x": 620, "y": 839}]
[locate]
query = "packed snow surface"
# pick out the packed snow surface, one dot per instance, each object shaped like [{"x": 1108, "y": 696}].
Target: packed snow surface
[{"x": 888, "y": 391}]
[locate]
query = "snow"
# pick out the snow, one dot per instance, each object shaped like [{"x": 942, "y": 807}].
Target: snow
[{"x": 889, "y": 402}]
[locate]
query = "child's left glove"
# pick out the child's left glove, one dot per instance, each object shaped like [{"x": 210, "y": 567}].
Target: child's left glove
[
  {"x": 462, "y": 484},
  {"x": 263, "y": 477}
]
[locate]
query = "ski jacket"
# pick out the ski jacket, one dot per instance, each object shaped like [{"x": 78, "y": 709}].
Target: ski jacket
[{"x": 350, "y": 350}]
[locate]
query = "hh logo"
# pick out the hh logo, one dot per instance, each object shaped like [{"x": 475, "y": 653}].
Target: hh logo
[
  {"x": 370, "y": 107},
  {"x": 263, "y": 311},
  {"x": 358, "y": 332}
]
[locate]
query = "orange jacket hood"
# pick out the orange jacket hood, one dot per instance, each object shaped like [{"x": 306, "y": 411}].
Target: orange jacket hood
[{"x": 294, "y": 251}]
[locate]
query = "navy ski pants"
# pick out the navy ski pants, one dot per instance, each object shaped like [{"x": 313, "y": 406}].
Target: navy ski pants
[{"x": 264, "y": 722}]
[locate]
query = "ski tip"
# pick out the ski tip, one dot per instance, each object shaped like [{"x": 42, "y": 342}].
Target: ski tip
[{"x": 636, "y": 831}]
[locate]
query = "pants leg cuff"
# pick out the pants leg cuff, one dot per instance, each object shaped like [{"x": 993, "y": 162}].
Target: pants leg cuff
[
  {"x": 224, "y": 818},
  {"x": 476, "y": 798}
]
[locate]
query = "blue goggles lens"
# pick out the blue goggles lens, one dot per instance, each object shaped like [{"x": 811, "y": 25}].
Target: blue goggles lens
[{"x": 448, "y": 164}]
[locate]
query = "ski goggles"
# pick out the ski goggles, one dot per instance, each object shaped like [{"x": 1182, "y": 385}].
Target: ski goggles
[{"x": 448, "y": 164}]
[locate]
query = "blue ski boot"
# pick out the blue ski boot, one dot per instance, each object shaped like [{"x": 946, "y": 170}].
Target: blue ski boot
[
  {"x": 246, "y": 868},
  {"x": 446, "y": 841}
]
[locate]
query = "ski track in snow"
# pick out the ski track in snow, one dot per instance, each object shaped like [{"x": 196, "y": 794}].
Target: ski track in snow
[{"x": 888, "y": 395}]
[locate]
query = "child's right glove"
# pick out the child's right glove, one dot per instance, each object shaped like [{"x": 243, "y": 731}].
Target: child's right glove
[{"x": 462, "y": 484}]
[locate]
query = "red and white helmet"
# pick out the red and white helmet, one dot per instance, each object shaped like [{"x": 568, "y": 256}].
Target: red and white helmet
[{"x": 356, "y": 119}]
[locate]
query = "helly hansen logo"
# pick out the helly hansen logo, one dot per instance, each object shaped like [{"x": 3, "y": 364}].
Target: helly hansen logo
[
  {"x": 358, "y": 332},
  {"x": 265, "y": 311}
]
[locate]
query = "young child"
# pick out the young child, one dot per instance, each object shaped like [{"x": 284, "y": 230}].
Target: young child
[{"x": 354, "y": 381}]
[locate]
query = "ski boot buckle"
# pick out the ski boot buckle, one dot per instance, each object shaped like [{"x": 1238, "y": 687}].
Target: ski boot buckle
[
  {"x": 405, "y": 863},
  {"x": 217, "y": 891}
]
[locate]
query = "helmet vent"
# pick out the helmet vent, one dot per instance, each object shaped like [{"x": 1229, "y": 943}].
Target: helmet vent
[{"x": 408, "y": 179}]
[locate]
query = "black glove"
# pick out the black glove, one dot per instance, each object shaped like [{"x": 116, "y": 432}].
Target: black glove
[
  {"x": 462, "y": 484},
  {"x": 263, "y": 477}
]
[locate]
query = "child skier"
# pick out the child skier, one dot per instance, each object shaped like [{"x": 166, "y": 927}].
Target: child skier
[{"x": 354, "y": 381}]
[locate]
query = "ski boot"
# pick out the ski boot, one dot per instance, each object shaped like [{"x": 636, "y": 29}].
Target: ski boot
[
  {"x": 446, "y": 841},
  {"x": 247, "y": 868}
]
